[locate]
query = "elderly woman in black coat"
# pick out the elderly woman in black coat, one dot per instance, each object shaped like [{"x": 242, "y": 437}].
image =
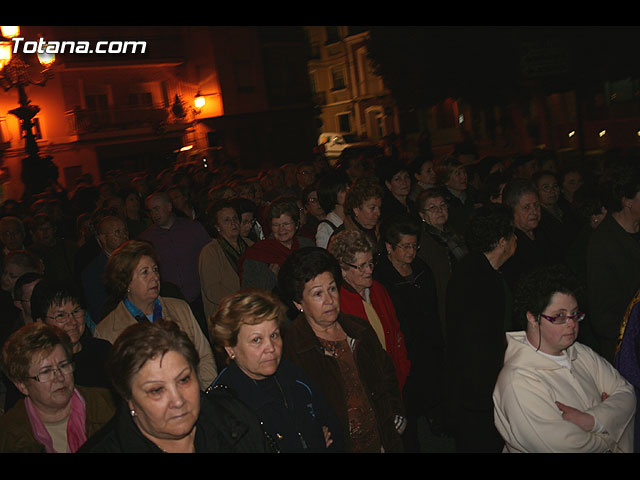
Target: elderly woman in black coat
[{"x": 412, "y": 288}]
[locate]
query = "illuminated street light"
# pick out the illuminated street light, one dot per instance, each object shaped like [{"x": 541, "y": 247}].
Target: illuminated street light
[
  {"x": 15, "y": 72},
  {"x": 10, "y": 32}
]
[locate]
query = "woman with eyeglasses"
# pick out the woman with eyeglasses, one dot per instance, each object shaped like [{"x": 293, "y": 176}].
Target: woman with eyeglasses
[
  {"x": 553, "y": 393},
  {"x": 412, "y": 288},
  {"x": 259, "y": 264},
  {"x": 218, "y": 261},
  {"x": 364, "y": 297},
  {"x": 56, "y": 415},
  {"x": 341, "y": 353},
  {"x": 440, "y": 246},
  {"x": 61, "y": 306}
]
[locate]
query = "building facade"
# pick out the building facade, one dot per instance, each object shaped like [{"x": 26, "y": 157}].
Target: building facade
[
  {"x": 349, "y": 96},
  {"x": 135, "y": 111}
]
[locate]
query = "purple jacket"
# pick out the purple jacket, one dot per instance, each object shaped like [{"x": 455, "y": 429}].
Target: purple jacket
[{"x": 178, "y": 249}]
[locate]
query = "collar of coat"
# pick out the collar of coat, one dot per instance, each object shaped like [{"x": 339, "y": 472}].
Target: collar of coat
[{"x": 307, "y": 340}]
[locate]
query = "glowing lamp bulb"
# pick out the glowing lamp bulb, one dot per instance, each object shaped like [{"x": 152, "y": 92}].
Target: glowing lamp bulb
[
  {"x": 46, "y": 59},
  {"x": 5, "y": 53},
  {"x": 10, "y": 32},
  {"x": 199, "y": 102}
]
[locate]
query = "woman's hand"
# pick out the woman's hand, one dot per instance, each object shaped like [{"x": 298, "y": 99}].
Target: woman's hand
[
  {"x": 583, "y": 420},
  {"x": 327, "y": 436}
]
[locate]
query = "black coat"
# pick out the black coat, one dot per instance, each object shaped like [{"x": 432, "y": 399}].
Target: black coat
[
  {"x": 225, "y": 425},
  {"x": 478, "y": 309},
  {"x": 613, "y": 278},
  {"x": 529, "y": 255},
  {"x": 416, "y": 304},
  {"x": 290, "y": 407}
]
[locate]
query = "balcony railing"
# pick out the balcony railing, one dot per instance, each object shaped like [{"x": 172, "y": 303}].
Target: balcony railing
[{"x": 115, "y": 119}]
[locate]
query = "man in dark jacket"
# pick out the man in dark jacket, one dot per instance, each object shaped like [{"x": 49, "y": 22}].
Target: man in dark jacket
[{"x": 478, "y": 313}]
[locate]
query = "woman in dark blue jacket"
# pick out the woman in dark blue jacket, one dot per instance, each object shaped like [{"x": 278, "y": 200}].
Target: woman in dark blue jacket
[{"x": 294, "y": 414}]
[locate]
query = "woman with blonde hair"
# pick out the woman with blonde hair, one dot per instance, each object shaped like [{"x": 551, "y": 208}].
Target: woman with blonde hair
[{"x": 293, "y": 412}]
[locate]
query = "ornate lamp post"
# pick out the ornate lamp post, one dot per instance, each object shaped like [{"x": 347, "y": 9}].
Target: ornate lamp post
[{"x": 15, "y": 72}]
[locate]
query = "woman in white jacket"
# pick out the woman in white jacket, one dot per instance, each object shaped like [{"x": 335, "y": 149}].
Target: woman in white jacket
[{"x": 554, "y": 394}]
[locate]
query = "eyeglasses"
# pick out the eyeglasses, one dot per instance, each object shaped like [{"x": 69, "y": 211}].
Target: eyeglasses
[
  {"x": 437, "y": 208},
  {"x": 276, "y": 226},
  {"x": 408, "y": 246},
  {"x": 49, "y": 373},
  {"x": 562, "y": 319},
  {"x": 362, "y": 268},
  {"x": 62, "y": 317}
]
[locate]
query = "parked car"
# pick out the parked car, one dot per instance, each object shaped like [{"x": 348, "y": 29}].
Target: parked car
[{"x": 335, "y": 142}]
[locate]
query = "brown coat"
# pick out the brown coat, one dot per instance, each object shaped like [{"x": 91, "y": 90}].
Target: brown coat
[
  {"x": 16, "y": 435},
  {"x": 374, "y": 366}
]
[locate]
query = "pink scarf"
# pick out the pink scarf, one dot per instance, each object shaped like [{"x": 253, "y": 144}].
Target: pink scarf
[{"x": 76, "y": 434}]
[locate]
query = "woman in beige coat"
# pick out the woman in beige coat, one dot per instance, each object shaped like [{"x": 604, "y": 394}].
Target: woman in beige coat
[
  {"x": 218, "y": 265},
  {"x": 132, "y": 275}
]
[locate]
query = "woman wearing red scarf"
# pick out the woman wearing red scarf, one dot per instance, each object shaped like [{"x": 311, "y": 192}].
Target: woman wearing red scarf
[
  {"x": 364, "y": 297},
  {"x": 56, "y": 416},
  {"x": 259, "y": 264}
]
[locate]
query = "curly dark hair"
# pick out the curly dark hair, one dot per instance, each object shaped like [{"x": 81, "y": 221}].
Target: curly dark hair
[
  {"x": 487, "y": 225},
  {"x": 212, "y": 214},
  {"x": 361, "y": 191},
  {"x": 303, "y": 265},
  {"x": 535, "y": 289}
]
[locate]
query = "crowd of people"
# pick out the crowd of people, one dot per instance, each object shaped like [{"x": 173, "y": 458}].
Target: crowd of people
[{"x": 320, "y": 307}]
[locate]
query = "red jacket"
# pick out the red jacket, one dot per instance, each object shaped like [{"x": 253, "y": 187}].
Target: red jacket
[{"x": 351, "y": 303}]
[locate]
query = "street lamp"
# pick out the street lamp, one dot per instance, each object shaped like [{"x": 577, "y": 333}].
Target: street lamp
[{"x": 16, "y": 72}]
